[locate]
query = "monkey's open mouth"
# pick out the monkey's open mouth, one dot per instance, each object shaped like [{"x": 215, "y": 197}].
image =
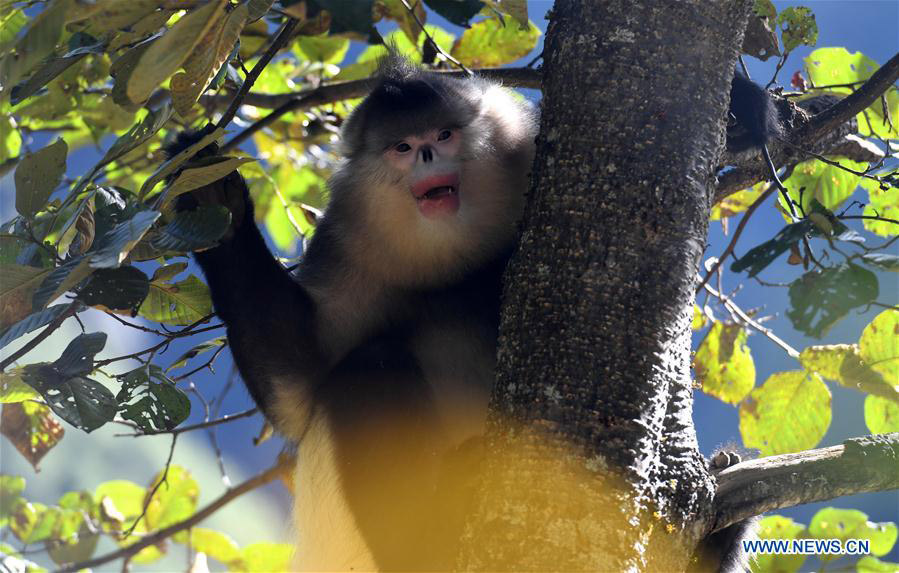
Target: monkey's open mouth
[
  {"x": 437, "y": 195},
  {"x": 437, "y": 192}
]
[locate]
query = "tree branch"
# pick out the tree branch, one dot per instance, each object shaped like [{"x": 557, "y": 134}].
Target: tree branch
[
  {"x": 254, "y": 482},
  {"x": 859, "y": 465}
]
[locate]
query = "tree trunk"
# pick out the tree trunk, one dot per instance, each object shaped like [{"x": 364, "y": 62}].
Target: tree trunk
[{"x": 592, "y": 455}]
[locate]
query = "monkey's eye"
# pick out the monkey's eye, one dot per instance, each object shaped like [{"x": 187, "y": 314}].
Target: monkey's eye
[
  {"x": 402, "y": 147},
  {"x": 444, "y": 135}
]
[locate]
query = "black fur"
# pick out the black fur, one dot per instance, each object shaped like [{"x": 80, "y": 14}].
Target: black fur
[{"x": 756, "y": 116}]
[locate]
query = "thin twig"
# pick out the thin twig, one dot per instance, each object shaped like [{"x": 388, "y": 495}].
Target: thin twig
[
  {"x": 31, "y": 344},
  {"x": 163, "y": 479},
  {"x": 258, "y": 480},
  {"x": 198, "y": 426},
  {"x": 823, "y": 159},
  {"x": 871, "y": 218},
  {"x": 732, "y": 307},
  {"x": 207, "y": 364},
  {"x": 435, "y": 45},
  {"x": 739, "y": 231},
  {"x": 279, "y": 42}
]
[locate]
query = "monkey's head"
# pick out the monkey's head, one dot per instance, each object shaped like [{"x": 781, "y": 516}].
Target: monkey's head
[{"x": 438, "y": 167}]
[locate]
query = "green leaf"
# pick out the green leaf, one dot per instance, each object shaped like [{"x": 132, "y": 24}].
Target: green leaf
[
  {"x": 881, "y": 203},
  {"x": 16, "y": 288},
  {"x": 137, "y": 135},
  {"x": 266, "y": 557},
  {"x": 166, "y": 54},
  {"x": 723, "y": 363},
  {"x": 491, "y": 43},
  {"x": 194, "y": 230},
  {"x": 518, "y": 9},
  {"x": 196, "y": 351},
  {"x": 33, "y": 522},
  {"x": 829, "y": 66},
  {"x": 881, "y": 415},
  {"x": 843, "y": 524},
  {"x": 11, "y": 488},
  {"x": 10, "y": 25},
  {"x": 763, "y": 255},
  {"x": 210, "y": 170},
  {"x": 819, "y": 299},
  {"x": 32, "y": 429},
  {"x": 325, "y": 49},
  {"x": 209, "y": 56},
  {"x": 217, "y": 545},
  {"x": 884, "y": 261},
  {"x": 798, "y": 27},
  {"x": 127, "y": 496},
  {"x": 737, "y": 202},
  {"x": 78, "y": 357},
  {"x": 39, "y": 41},
  {"x": 114, "y": 246},
  {"x": 790, "y": 412},
  {"x": 76, "y": 548},
  {"x": 168, "y": 272},
  {"x": 354, "y": 17},
  {"x": 778, "y": 527},
  {"x": 151, "y": 400},
  {"x": 699, "y": 319},
  {"x": 180, "y": 303},
  {"x": 32, "y": 322},
  {"x": 174, "y": 501},
  {"x": 829, "y": 185},
  {"x": 258, "y": 9},
  {"x": 870, "y": 564},
  {"x": 37, "y": 175},
  {"x": 122, "y": 289},
  {"x": 459, "y": 12},
  {"x": 172, "y": 164},
  {"x": 60, "y": 281},
  {"x": 82, "y": 402},
  {"x": 55, "y": 66},
  {"x": 878, "y": 347},
  {"x": 13, "y": 389},
  {"x": 826, "y": 66},
  {"x": 844, "y": 364}
]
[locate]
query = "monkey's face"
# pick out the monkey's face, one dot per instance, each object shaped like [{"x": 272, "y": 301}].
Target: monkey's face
[
  {"x": 429, "y": 166},
  {"x": 438, "y": 187}
]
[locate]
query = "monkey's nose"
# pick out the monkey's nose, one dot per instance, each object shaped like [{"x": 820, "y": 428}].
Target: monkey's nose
[{"x": 427, "y": 154}]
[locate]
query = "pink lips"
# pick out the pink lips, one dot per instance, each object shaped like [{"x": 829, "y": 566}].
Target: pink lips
[{"x": 437, "y": 195}]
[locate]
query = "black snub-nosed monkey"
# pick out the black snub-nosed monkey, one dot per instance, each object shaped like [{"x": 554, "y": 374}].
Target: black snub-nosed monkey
[{"x": 377, "y": 355}]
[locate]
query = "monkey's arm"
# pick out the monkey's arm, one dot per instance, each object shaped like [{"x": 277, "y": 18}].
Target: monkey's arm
[{"x": 269, "y": 317}]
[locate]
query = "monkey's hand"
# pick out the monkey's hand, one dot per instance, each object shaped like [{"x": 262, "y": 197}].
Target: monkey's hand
[{"x": 230, "y": 191}]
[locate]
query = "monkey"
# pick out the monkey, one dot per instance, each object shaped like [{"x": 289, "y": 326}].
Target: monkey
[{"x": 376, "y": 355}]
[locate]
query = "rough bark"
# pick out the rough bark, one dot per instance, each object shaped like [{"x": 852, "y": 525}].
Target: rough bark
[
  {"x": 858, "y": 465},
  {"x": 592, "y": 461}
]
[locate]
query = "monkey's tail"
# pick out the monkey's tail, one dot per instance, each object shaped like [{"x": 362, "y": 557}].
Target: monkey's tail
[{"x": 722, "y": 551}]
